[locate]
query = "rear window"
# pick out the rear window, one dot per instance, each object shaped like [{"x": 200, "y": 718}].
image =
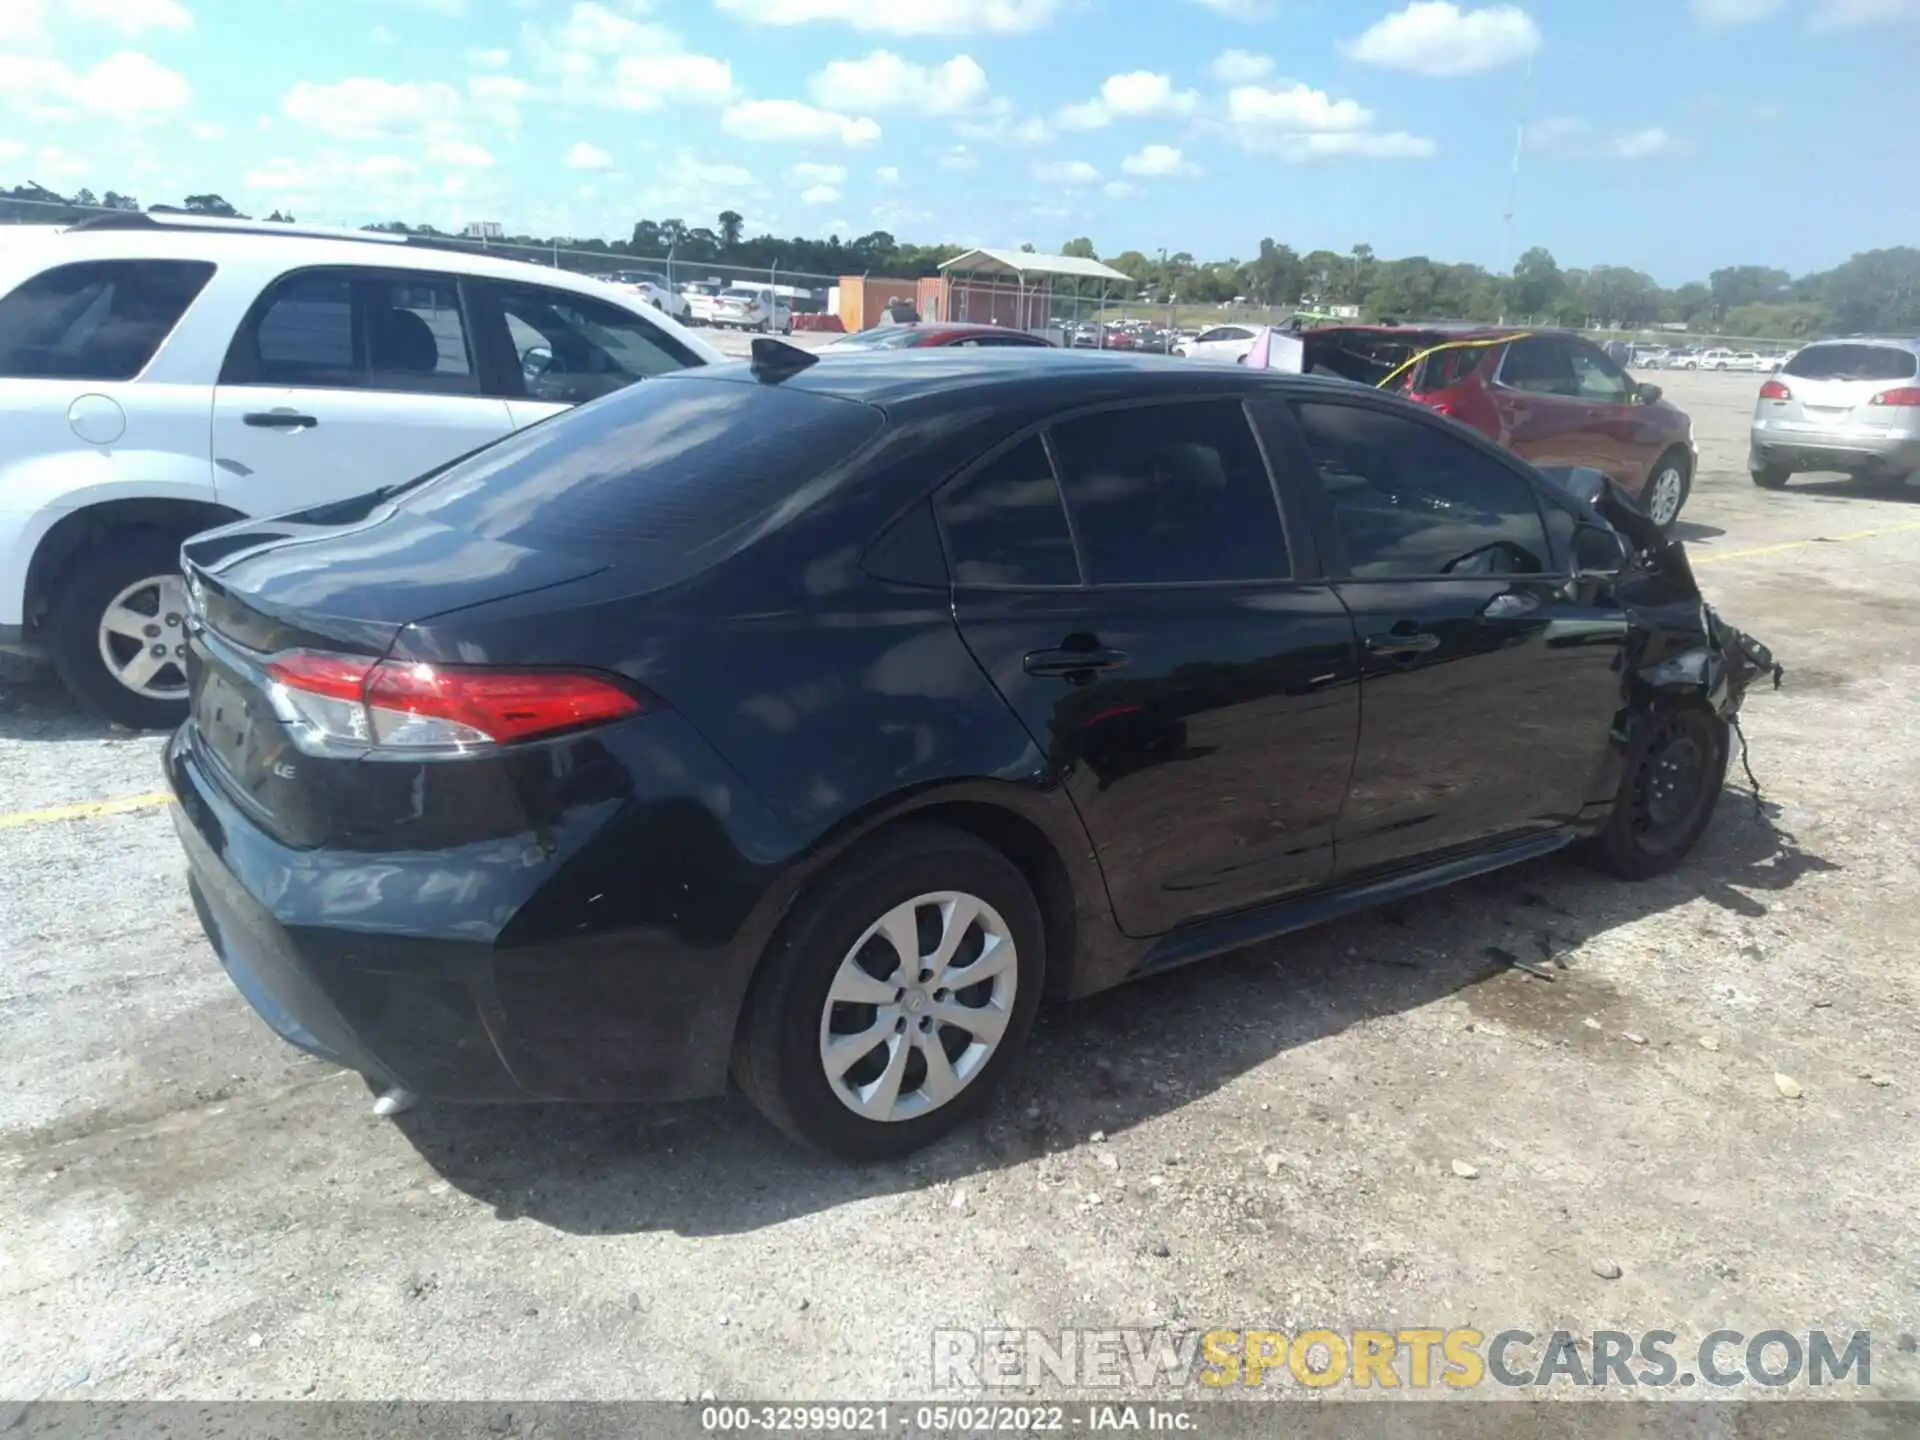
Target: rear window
[
  {"x": 652, "y": 476},
  {"x": 1852, "y": 362},
  {"x": 101, "y": 320}
]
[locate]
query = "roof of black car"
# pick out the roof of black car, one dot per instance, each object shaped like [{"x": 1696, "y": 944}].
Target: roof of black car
[{"x": 893, "y": 377}]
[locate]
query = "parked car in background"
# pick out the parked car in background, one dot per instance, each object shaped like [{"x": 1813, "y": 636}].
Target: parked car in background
[
  {"x": 1554, "y": 398},
  {"x": 1716, "y": 360},
  {"x": 1684, "y": 359},
  {"x": 1224, "y": 344},
  {"x": 808, "y": 724},
  {"x": 1745, "y": 360},
  {"x": 652, "y": 287},
  {"x": 160, "y": 375},
  {"x": 1772, "y": 360},
  {"x": 751, "y": 307},
  {"x": 1649, "y": 357},
  {"x": 701, "y": 297},
  {"x": 1851, "y": 406},
  {"x": 925, "y": 335}
]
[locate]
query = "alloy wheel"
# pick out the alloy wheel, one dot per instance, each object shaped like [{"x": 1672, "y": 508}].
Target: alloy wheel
[
  {"x": 918, "y": 1006},
  {"x": 143, "y": 637},
  {"x": 1664, "y": 496}
]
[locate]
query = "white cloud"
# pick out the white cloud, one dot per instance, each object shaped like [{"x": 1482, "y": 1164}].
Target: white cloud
[
  {"x": 1641, "y": 144},
  {"x": 380, "y": 35},
  {"x": 364, "y": 108},
  {"x": 57, "y": 164},
  {"x": 463, "y": 154},
  {"x": 1136, "y": 94},
  {"x": 901, "y": 17},
  {"x": 126, "y": 17},
  {"x": 497, "y": 99},
  {"x": 206, "y": 131},
  {"x": 1571, "y": 138},
  {"x": 1240, "y": 67},
  {"x": 883, "y": 81},
  {"x": 488, "y": 59},
  {"x": 1247, "y": 10},
  {"x": 22, "y": 21},
  {"x": 600, "y": 57},
  {"x": 11, "y": 149},
  {"x": 1297, "y": 109},
  {"x": 1119, "y": 189},
  {"x": 959, "y": 158},
  {"x": 1159, "y": 160},
  {"x": 1438, "y": 38},
  {"x": 1719, "y": 14},
  {"x": 819, "y": 195},
  {"x": 888, "y": 174},
  {"x": 1003, "y": 128},
  {"x": 1850, "y": 14},
  {"x": 582, "y": 156},
  {"x": 1300, "y": 124},
  {"x": 1066, "y": 172},
  {"x": 794, "y": 120},
  {"x": 810, "y": 173},
  {"x": 128, "y": 85}
]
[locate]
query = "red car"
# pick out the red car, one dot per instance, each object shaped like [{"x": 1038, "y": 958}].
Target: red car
[
  {"x": 1550, "y": 397},
  {"x": 922, "y": 334}
]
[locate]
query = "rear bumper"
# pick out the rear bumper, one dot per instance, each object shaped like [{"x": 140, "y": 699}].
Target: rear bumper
[
  {"x": 344, "y": 956},
  {"x": 1837, "y": 450}
]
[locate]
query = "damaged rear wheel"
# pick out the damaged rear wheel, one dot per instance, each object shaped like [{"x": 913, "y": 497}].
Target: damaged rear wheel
[{"x": 1674, "y": 776}]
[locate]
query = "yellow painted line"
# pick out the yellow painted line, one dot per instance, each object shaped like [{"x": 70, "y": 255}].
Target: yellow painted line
[
  {"x": 88, "y": 810},
  {"x": 1712, "y": 555}
]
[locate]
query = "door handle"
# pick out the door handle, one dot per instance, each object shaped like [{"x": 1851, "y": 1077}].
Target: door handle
[
  {"x": 1069, "y": 663},
  {"x": 1414, "y": 643},
  {"x": 278, "y": 420}
]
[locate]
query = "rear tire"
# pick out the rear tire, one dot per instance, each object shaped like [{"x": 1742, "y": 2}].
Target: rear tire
[
  {"x": 134, "y": 568},
  {"x": 1771, "y": 477},
  {"x": 1674, "y": 775},
  {"x": 832, "y": 948}
]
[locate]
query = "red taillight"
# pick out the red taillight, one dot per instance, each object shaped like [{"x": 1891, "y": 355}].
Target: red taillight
[
  {"x": 332, "y": 700},
  {"x": 1905, "y": 395},
  {"x": 1774, "y": 390}
]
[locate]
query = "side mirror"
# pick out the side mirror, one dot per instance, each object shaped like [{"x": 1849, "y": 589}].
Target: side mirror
[
  {"x": 1646, "y": 394},
  {"x": 535, "y": 361},
  {"x": 1598, "y": 551}
]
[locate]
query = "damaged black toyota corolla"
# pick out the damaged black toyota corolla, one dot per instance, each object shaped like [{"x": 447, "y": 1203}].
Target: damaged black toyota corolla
[{"x": 809, "y": 722}]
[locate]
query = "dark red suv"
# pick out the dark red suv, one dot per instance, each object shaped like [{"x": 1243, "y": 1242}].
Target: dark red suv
[{"x": 1550, "y": 397}]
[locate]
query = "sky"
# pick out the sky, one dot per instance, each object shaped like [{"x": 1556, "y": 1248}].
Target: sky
[{"x": 1674, "y": 136}]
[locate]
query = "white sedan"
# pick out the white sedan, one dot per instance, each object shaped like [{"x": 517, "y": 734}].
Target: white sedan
[{"x": 1223, "y": 344}]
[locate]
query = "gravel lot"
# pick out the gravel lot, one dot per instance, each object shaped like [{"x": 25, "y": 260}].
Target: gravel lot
[{"x": 190, "y": 1209}]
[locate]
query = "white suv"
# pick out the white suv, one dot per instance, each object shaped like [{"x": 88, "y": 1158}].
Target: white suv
[{"x": 161, "y": 376}]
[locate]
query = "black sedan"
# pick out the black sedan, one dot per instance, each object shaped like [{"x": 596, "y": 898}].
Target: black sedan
[{"x": 811, "y": 720}]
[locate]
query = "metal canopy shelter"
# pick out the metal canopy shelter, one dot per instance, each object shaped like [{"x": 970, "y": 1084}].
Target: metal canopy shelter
[{"x": 1032, "y": 273}]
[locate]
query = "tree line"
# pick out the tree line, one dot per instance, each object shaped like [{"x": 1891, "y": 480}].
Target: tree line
[{"x": 1877, "y": 290}]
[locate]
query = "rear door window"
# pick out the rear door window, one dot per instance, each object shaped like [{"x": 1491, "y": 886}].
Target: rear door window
[
  {"x": 652, "y": 479},
  {"x": 1005, "y": 525},
  {"x": 346, "y": 329},
  {"x": 1853, "y": 362},
  {"x": 99, "y": 320},
  {"x": 1170, "y": 494},
  {"x": 573, "y": 348}
]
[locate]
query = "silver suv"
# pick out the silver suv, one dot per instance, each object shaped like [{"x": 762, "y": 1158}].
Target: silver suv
[{"x": 1849, "y": 405}]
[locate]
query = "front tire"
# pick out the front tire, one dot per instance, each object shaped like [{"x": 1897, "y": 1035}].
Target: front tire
[
  {"x": 118, "y": 631},
  {"x": 1674, "y": 775},
  {"x": 1668, "y": 485},
  {"x": 854, "y": 1037},
  {"x": 1771, "y": 477}
]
